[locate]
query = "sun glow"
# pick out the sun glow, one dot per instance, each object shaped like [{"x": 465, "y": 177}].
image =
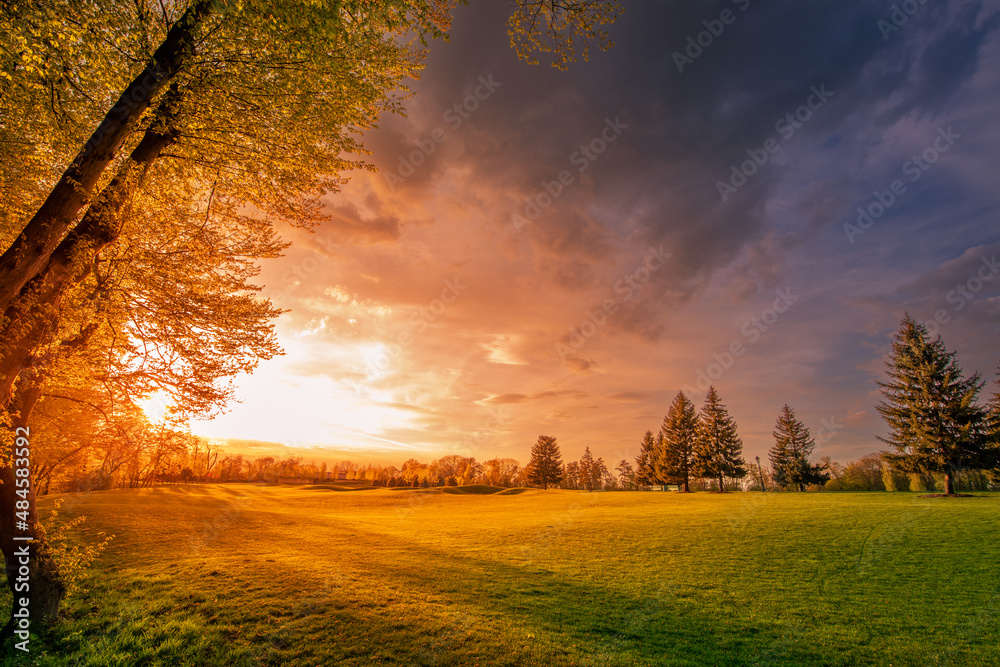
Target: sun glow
[{"x": 156, "y": 407}]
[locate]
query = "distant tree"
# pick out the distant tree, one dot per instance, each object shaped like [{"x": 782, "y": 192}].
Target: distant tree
[
  {"x": 678, "y": 434},
  {"x": 935, "y": 423},
  {"x": 589, "y": 475},
  {"x": 863, "y": 474},
  {"x": 451, "y": 481},
  {"x": 790, "y": 454},
  {"x": 644, "y": 473},
  {"x": 602, "y": 477},
  {"x": 718, "y": 450},
  {"x": 500, "y": 472},
  {"x": 609, "y": 481},
  {"x": 626, "y": 476},
  {"x": 416, "y": 482},
  {"x": 571, "y": 476},
  {"x": 892, "y": 479},
  {"x": 546, "y": 462},
  {"x": 836, "y": 472}
]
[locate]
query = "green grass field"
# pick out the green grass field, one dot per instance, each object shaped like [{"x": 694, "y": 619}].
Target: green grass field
[{"x": 338, "y": 575}]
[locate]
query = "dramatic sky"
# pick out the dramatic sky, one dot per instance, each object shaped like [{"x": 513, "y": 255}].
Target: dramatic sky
[{"x": 454, "y": 305}]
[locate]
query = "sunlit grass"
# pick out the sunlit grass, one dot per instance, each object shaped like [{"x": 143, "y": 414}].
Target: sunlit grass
[{"x": 248, "y": 575}]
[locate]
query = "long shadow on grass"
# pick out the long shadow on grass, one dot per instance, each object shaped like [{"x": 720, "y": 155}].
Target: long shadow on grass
[{"x": 569, "y": 618}]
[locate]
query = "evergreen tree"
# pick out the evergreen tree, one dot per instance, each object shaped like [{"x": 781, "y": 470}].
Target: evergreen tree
[
  {"x": 935, "y": 423},
  {"x": 718, "y": 451},
  {"x": 644, "y": 473},
  {"x": 672, "y": 461},
  {"x": 790, "y": 454},
  {"x": 546, "y": 462}
]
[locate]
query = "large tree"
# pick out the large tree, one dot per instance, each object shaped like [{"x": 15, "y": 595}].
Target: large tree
[
  {"x": 935, "y": 422},
  {"x": 546, "y": 465},
  {"x": 678, "y": 435},
  {"x": 718, "y": 450},
  {"x": 793, "y": 445}
]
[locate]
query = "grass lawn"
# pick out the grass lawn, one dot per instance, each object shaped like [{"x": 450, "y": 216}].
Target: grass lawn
[{"x": 256, "y": 575}]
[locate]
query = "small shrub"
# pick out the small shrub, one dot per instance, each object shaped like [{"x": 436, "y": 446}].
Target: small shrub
[{"x": 71, "y": 560}]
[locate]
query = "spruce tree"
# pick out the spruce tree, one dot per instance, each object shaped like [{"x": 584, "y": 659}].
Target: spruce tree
[
  {"x": 793, "y": 445},
  {"x": 546, "y": 462},
  {"x": 645, "y": 475},
  {"x": 718, "y": 451},
  {"x": 935, "y": 423},
  {"x": 672, "y": 460}
]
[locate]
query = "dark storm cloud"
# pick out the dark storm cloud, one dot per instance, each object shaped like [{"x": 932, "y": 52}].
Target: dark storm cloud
[{"x": 686, "y": 130}]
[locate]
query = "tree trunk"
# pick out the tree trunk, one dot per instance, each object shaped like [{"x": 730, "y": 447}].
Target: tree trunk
[
  {"x": 33, "y": 247},
  {"x": 722, "y": 488},
  {"x": 949, "y": 483},
  {"x": 687, "y": 486},
  {"x": 26, "y": 562}
]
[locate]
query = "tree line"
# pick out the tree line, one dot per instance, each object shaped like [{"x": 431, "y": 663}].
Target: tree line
[{"x": 940, "y": 435}]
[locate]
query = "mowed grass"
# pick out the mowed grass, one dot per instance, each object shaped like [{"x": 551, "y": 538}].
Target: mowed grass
[{"x": 258, "y": 575}]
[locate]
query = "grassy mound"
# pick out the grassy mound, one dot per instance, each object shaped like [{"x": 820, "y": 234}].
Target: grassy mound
[
  {"x": 340, "y": 486},
  {"x": 474, "y": 489}
]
